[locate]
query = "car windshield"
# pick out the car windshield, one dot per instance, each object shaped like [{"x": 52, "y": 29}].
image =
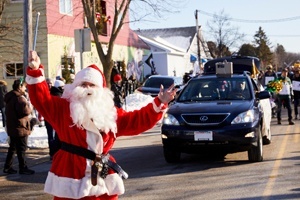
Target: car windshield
[
  {"x": 155, "y": 82},
  {"x": 216, "y": 89}
]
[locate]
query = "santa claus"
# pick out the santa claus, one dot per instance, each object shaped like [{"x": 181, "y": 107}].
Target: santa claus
[{"x": 88, "y": 123}]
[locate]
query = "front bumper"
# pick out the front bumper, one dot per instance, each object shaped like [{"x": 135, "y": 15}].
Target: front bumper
[{"x": 233, "y": 138}]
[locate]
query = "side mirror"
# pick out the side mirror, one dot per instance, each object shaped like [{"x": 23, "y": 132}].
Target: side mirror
[{"x": 263, "y": 95}]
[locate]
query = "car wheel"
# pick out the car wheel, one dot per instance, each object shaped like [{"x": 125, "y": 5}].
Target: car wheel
[
  {"x": 171, "y": 154},
  {"x": 255, "y": 154}
]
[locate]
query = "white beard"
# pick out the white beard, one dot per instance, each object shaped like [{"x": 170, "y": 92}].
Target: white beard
[{"x": 92, "y": 108}]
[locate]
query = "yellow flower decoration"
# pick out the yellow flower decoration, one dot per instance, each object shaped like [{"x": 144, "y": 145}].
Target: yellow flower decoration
[{"x": 274, "y": 86}]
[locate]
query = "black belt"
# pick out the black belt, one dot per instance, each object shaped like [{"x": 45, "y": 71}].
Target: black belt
[{"x": 99, "y": 161}]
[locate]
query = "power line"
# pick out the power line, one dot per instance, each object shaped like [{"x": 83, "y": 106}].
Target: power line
[{"x": 252, "y": 21}]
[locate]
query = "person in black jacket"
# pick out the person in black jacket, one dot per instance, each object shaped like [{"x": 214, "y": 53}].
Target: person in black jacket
[
  {"x": 53, "y": 141},
  {"x": 296, "y": 90},
  {"x": 269, "y": 75},
  {"x": 3, "y": 91},
  {"x": 17, "y": 110},
  {"x": 117, "y": 89}
]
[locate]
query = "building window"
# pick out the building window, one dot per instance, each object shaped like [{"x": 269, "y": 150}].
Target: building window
[
  {"x": 13, "y": 70},
  {"x": 65, "y": 7},
  {"x": 101, "y": 17}
]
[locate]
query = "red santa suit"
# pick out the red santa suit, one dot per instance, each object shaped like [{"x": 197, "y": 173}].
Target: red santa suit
[{"x": 70, "y": 174}]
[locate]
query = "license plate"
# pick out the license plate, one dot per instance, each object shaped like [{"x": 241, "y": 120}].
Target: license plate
[{"x": 203, "y": 136}]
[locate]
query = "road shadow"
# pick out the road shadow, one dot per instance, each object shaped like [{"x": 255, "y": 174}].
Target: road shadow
[{"x": 148, "y": 161}]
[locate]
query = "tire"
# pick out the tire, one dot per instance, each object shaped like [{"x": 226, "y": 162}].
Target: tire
[
  {"x": 171, "y": 155},
  {"x": 255, "y": 154}
]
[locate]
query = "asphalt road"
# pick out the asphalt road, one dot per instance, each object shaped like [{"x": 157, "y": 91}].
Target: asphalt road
[{"x": 150, "y": 177}]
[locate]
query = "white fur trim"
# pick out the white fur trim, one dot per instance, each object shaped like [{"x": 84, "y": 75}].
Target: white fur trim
[
  {"x": 158, "y": 108},
  {"x": 34, "y": 80},
  {"x": 94, "y": 141},
  {"x": 78, "y": 188},
  {"x": 90, "y": 75}
]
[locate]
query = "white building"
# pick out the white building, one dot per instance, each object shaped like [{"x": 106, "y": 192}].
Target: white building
[{"x": 174, "y": 51}]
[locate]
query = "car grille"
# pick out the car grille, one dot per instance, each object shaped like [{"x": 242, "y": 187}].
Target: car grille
[{"x": 204, "y": 119}]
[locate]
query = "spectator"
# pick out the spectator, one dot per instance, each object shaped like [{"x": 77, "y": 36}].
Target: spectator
[
  {"x": 53, "y": 140},
  {"x": 269, "y": 75},
  {"x": 296, "y": 90},
  {"x": 3, "y": 91},
  {"x": 117, "y": 89},
  {"x": 284, "y": 96},
  {"x": 18, "y": 127},
  {"x": 88, "y": 124}
]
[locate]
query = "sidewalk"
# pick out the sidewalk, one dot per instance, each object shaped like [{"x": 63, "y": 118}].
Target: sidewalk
[{"x": 36, "y": 158}]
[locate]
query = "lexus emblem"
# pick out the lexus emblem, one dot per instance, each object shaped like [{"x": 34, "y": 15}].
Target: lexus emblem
[{"x": 203, "y": 118}]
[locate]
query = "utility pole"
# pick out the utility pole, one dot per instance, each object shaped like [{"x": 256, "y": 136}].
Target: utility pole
[
  {"x": 198, "y": 40},
  {"x": 27, "y": 32}
]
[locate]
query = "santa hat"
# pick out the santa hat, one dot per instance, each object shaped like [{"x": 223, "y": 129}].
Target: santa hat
[
  {"x": 91, "y": 74},
  {"x": 59, "y": 83},
  {"x": 117, "y": 78}
]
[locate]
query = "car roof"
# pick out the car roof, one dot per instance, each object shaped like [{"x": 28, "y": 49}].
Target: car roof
[
  {"x": 177, "y": 79},
  {"x": 161, "y": 76},
  {"x": 239, "y": 64},
  {"x": 213, "y": 76}
]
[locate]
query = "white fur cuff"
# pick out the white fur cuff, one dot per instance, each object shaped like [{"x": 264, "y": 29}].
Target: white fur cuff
[{"x": 34, "y": 80}]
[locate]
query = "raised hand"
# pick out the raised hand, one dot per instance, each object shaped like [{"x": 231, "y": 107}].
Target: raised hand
[
  {"x": 165, "y": 96},
  {"x": 34, "y": 60}
]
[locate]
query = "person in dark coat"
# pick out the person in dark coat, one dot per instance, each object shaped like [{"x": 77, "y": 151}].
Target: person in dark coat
[
  {"x": 17, "y": 110},
  {"x": 269, "y": 75},
  {"x": 53, "y": 141},
  {"x": 296, "y": 90},
  {"x": 3, "y": 91},
  {"x": 117, "y": 89}
]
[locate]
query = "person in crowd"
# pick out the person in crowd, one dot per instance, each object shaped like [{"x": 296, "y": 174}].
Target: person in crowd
[
  {"x": 18, "y": 127},
  {"x": 53, "y": 140},
  {"x": 3, "y": 91},
  {"x": 117, "y": 89},
  {"x": 39, "y": 116},
  {"x": 49, "y": 82},
  {"x": 88, "y": 123},
  {"x": 269, "y": 75},
  {"x": 187, "y": 76},
  {"x": 285, "y": 96},
  {"x": 296, "y": 90},
  {"x": 72, "y": 77},
  {"x": 132, "y": 83},
  {"x": 114, "y": 72}
]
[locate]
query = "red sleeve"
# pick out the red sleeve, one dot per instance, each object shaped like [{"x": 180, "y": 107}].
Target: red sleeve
[{"x": 139, "y": 121}]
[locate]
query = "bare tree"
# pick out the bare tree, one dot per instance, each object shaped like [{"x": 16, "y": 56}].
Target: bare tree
[
  {"x": 225, "y": 35},
  {"x": 2, "y": 6},
  {"x": 140, "y": 11}
]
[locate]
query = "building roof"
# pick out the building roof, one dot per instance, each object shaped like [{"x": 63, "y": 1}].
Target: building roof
[{"x": 180, "y": 37}]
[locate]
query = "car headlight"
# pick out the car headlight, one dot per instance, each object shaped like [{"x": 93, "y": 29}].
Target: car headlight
[
  {"x": 170, "y": 120},
  {"x": 246, "y": 117}
]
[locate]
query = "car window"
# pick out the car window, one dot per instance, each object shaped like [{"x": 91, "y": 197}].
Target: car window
[
  {"x": 155, "y": 82},
  {"x": 178, "y": 81},
  {"x": 216, "y": 89}
]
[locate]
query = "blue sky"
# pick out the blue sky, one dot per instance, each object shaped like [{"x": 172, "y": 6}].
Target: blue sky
[{"x": 286, "y": 33}]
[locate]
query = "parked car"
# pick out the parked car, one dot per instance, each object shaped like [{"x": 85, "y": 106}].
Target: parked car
[
  {"x": 210, "y": 115},
  {"x": 152, "y": 84}
]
